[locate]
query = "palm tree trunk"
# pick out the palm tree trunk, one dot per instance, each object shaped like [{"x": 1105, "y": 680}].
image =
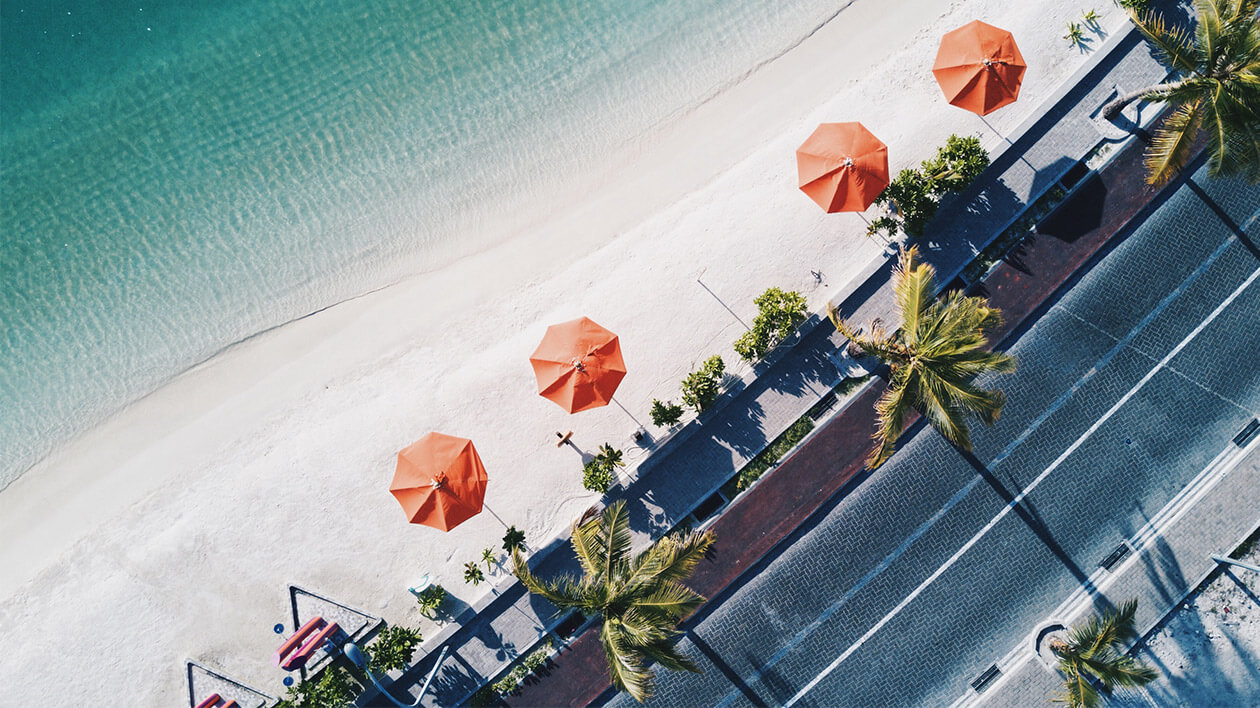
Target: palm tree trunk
[{"x": 1113, "y": 109}]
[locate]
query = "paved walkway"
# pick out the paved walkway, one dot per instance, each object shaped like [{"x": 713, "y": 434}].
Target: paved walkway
[{"x": 697, "y": 462}]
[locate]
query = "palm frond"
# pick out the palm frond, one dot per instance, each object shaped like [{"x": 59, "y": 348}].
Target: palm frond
[
  {"x": 588, "y": 538},
  {"x": 603, "y": 543},
  {"x": 666, "y": 654},
  {"x": 876, "y": 344},
  {"x": 1207, "y": 30},
  {"x": 672, "y": 558},
  {"x": 1080, "y": 693},
  {"x": 625, "y": 667},
  {"x": 914, "y": 287},
  {"x": 670, "y": 599},
  {"x": 938, "y": 402},
  {"x": 1131, "y": 672},
  {"x": 1170, "y": 148},
  {"x": 1125, "y": 624},
  {"x": 1172, "y": 44},
  {"x": 892, "y": 409},
  {"x": 565, "y": 592},
  {"x": 1233, "y": 134},
  {"x": 641, "y": 629}
]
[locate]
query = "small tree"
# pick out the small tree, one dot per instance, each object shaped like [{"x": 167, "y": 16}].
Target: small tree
[
  {"x": 701, "y": 388},
  {"x": 598, "y": 473},
  {"x": 609, "y": 456},
  {"x": 487, "y": 557},
  {"x": 1093, "y": 657},
  {"x": 956, "y": 165},
  {"x": 665, "y": 414},
  {"x": 779, "y": 313},
  {"x": 332, "y": 688},
  {"x": 914, "y": 196},
  {"x": 910, "y": 198},
  {"x": 393, "y": 649},
  {"x": 513, "y": 539}
]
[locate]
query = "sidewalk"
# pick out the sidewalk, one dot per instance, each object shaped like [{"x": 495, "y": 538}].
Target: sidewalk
[{"x": 691, "y": 467}]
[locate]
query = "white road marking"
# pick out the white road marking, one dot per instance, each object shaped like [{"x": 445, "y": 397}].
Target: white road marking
[{"x": 1015, "y": 502}]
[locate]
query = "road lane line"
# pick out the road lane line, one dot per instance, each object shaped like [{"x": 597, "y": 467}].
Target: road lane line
[
  {"x": 1111, "y": 353},
  {"x": 848, "y": 595},
  {"x": 1015, "y": 502}
]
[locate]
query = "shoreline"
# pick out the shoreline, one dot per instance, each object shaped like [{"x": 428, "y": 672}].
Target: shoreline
[{"x": 333, "y": 395}]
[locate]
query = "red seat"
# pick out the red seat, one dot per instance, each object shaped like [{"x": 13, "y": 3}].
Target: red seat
[
  {"x": 292, "y": 642},
  {"x": 300, "y": 657},
  {"x": 213, "y": 700}
]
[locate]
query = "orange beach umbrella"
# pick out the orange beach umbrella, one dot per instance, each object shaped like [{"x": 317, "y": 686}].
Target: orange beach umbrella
[
  {"x": 842, "y": 166},
  {"x": 578, "y": 365},
  {"x": 979, "y": 67},
  {"x": 439, "y": 481}
]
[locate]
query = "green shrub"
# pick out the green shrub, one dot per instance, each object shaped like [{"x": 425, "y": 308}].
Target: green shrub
[
  {"x": 513, "y": 539},
  {"x": 512, "y": 679},
  {"x": 758, "y": 465},
  {"x": 665, "y": 414},
  {"x": 597, "y": 476},
  {"x": 488, "y": 557},
  {"x": 779, "y": 313},
  {"x": 1136, "y": 7},
  {"x": 701, "y": 388},
  {"x": 430, "y": 599},
  {"x": 333, "y": 689},
  {"x": 393, "y": 649},
  {"x": 911, "y": 199},
  {"x": 915, "y": 195},
  {"x": 956, "y": 165},
  {"x": 473, "y": 574}
]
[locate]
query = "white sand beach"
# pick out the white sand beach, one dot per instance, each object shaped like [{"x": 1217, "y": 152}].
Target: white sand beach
[{"x": 173, "y": 530}]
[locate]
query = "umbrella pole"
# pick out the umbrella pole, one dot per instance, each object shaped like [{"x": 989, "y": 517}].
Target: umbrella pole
[
  {"x": 868, "y": 229},
  {"x": 995, "y": 131},
  {"x": 496, "y": 516},
  {"x": 627, "y": 412},
  {"x": 1008, "y": 141}
]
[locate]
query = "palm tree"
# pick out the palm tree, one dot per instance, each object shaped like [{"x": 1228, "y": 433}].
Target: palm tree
[
  {"x": 934, "y": 358},
  {"x": 1218, "y": 88},
  {"x": 1094, "y": 654},
  {"x": 609, "y": 456},
  {"x": 640, "y": 598}
]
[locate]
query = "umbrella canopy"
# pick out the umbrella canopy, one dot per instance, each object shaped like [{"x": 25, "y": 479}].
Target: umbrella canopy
[
  {"x": 979, "y": 67},
  {"x": 842, "y": 167},
  {"x": 439, "y": 481},
  {"x": 578, "y": 365}
]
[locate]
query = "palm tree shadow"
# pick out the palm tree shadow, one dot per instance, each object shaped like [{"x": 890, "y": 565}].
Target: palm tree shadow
[
  {"x": 720, "y": 664},
  {"x": 1028, "y": 514}
]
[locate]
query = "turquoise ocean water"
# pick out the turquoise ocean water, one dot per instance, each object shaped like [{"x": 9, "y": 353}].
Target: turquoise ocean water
[{"x": 176, "y": 176}]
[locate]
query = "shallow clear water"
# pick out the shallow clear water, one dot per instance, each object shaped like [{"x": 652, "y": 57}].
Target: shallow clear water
[{"x": 177, "y": 176}]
